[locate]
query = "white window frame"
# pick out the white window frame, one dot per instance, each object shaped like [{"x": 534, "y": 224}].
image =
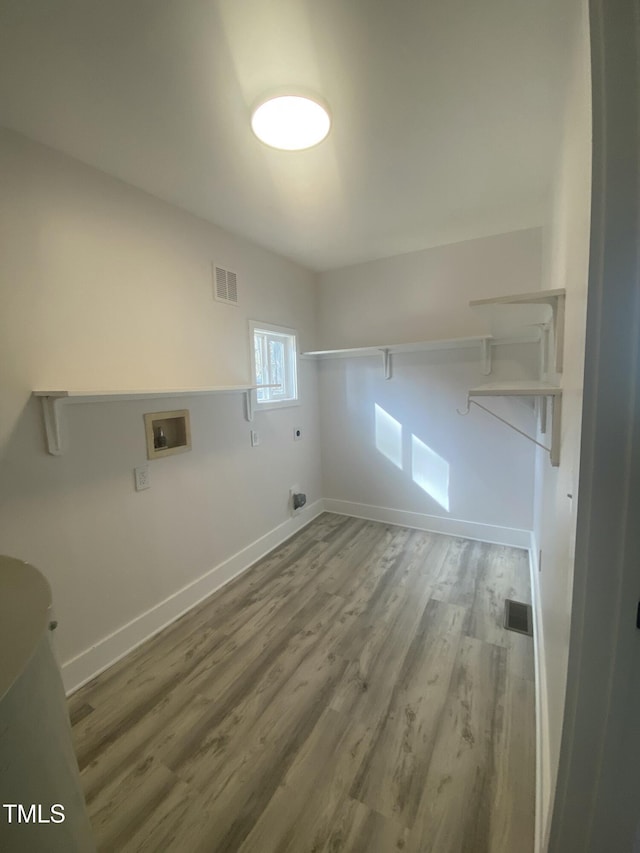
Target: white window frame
[{"x": 291, "y": 367}]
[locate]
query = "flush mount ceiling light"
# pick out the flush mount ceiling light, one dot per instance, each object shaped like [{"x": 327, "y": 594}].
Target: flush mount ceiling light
[{"x": 290, "y": 122}]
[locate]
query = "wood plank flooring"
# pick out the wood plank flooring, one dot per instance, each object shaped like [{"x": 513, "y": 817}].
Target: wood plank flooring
[{"x": 354, "y": 692}]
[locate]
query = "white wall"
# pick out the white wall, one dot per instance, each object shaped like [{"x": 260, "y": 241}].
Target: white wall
[
  {"x": 566, "y": 265},
  {"x": 409, "y": 298},
  {"x": 470, "y": 469},
  {"x": 424, "y": 295},
  {"x": 104, "y": 286}
]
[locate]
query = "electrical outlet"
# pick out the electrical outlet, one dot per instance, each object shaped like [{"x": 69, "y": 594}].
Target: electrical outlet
[
  {"x": 297, "y": 433},
  {"x": 255, "y": 438},
  {"x": 142, "y": 478}
]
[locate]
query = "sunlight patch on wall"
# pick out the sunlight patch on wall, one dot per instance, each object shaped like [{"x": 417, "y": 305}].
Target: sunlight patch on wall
[
  {"x": 388, "y": 436},
  {"x": 430, "y": 471}
]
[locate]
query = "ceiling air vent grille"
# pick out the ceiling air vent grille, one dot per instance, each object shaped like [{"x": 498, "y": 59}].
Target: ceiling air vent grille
[{"x": 225, "y": 285}]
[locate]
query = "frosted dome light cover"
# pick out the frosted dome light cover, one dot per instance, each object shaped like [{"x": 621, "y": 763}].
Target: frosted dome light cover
[{"x": 290, "y": 122}]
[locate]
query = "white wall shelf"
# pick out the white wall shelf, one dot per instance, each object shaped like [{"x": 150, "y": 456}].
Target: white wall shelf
[
  {"x": 387, "y": 350},
  {"x": 517, "y": 388},
  {"x": 555, "y": 299},
  {"x": 526, "y": 388},
  {"x": 53, "y": 403},
  {"x": 542, "y": 391},
  {"x": 438, "y": 343}
]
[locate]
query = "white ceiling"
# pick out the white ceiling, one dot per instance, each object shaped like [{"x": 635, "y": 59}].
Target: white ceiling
[{"x": 443, "y": 111}]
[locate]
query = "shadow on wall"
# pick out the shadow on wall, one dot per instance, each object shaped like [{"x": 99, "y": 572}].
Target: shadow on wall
[{"x": 428, "y": 469}]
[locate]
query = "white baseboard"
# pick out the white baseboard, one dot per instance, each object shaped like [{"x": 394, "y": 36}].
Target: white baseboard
[
  {"x": 543, "y": 780},
  {"x": 107, "y": 651},
  {"x": 433, "y": 523}
]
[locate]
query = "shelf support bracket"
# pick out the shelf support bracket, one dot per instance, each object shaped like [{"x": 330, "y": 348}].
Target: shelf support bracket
[
  {"x": 544, "y": 349},
  {"x": 249, "y": 405},
  {"x": 52, "y": 416},
  {"x": 542, "y": 412},
  {"x": 558, "y": 331},
  {"x": 556, "y": 433},
  {"x": 486, "y": 356},
  {"x": 387, "y": 364},
  {"x": 556, "y": 412}
]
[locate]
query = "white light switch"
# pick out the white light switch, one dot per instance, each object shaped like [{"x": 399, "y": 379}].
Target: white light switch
[
  {"x": 255, "y": 438},
  {"x": 142, "y": 478}
]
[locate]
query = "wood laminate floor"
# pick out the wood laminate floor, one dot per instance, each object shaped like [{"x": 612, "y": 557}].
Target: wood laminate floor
[{"x": 354, "y": 691}]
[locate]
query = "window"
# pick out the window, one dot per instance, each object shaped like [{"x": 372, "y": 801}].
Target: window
[{"x": 274, "y": 363}]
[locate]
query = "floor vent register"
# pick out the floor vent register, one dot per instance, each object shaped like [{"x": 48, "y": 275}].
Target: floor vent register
[{"x": 518, "y": 617}]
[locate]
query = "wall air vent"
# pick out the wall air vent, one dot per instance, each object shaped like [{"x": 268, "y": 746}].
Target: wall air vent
[{"x": 225, "y": 285}]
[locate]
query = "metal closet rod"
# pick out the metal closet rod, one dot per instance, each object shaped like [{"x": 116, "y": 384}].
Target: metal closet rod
[{"x": 502, "y": 420}]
